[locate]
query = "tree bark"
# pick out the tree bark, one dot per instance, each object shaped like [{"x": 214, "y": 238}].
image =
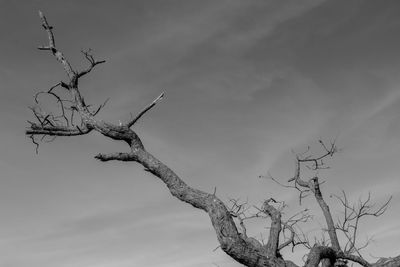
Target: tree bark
[{"x": 236, "y": 245}]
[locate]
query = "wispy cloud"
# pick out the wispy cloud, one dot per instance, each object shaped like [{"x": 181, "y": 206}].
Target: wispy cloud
[{"x": 245, "y": 82}]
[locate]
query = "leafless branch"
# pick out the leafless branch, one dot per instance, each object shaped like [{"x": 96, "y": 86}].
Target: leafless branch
[
  {"x": 59, "y": 101},
  {"x": 99, "y": 108},
  {"x": 52, "y": 47},
  {"x": 32, "y": 137},
  {"x": 348, "y": 225},
  {"x": 233, "y": 239},
  {"x": 290, "y": 225},
  {"x": 303, "y": 186},
  {"x": 92, "y": 62},
  {"x": 147, "y": 108}
]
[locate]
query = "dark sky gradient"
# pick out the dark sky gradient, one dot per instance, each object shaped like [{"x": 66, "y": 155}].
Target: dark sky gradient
[{"x": 246, "y": 82}]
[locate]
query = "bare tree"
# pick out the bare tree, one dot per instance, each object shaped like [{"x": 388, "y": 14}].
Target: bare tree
[{"x": 75, "y": 117}]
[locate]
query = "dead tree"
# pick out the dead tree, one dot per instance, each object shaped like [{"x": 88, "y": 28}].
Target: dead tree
[{"x": 76, "y": 117}]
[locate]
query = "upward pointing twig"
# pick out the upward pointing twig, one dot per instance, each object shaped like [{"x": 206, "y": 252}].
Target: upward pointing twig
[
  {"x": 52, "y": 47},
  {"x": 141, "y": 113}
]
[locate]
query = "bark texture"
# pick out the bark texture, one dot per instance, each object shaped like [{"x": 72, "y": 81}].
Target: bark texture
[{"x": 241, "y": 248}]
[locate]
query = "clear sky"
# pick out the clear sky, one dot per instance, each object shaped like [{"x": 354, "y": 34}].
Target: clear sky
[{"x": 245, "y": 81}]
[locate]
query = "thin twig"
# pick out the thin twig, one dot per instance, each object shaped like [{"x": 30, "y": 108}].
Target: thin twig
[{"x": 141, "y": 113}]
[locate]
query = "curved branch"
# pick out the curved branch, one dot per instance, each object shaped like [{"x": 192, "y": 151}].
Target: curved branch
[
  {"x": 354, "y": 258},
  {"x": 290, "y": 239},
  {"x": 116, "y": 156},
  {"x": 93, "y": 63},
  {"x": 351, "y": 218},
  {"x": 238, "y": 246},
  {"x": 289, "y": 225},
  {"x": 59, "y": 100},
  {"x": 318, "y": 253},
  {"x": 228, "y": 236}
]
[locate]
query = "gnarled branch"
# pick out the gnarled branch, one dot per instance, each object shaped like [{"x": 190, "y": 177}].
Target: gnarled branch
[{"x": 236, "y": 244}]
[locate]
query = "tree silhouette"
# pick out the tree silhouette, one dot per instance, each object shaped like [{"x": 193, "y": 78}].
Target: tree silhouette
[{"x": 75, "y": 117}]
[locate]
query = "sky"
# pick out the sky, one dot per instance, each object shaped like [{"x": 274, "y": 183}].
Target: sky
[{"x": 245, "y": 82}]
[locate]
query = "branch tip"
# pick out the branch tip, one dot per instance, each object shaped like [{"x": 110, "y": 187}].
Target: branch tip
[{"x": 147, "y": 108}]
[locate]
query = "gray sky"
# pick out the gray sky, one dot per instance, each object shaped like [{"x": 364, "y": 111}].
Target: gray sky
[{"x": 245, "y": 81}]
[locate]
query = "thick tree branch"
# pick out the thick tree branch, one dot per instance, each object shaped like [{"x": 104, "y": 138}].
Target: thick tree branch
[
  {"x": 327, "y": 213},
  {"x": 241, "y": 248},
  {"x": 228, "y": 236},
  {"x": 314, "y": 185},
  {"x": 116, "y": 156},
  {"x": 275, "y": 229},
  {"x": 318, "y": 253},
  {"x": 57, "y": 130}
]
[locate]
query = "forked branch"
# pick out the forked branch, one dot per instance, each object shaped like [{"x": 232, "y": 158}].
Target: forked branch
[
  {"x": 240, "y": 247},
  {"x": 348, "y": 225},
  {"x": 313, "y": 184},
  {"x": 92, "y": 63}
]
